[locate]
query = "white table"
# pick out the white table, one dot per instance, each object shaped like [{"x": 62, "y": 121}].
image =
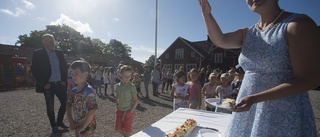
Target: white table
[{"x": 168, "y": 123}]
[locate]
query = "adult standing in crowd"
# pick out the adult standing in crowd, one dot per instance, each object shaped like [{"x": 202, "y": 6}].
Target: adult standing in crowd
[
  {"x": 118, "y": 79},
  {"x": 236, "y": 82},
  {"x": 170, "y": 79},
  {"x": 208, "y": 72},
  {"x": 164, "y": 79},
  {"x": 155, "y": 78},
  {"x": 146, "y": 79},
  {"x": 97, "y": 79},
  {"x": 278, "y": 56},
  {"x": 50, "y": 70}
]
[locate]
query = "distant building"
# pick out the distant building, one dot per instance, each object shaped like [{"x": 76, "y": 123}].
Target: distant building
[{"x": 197, "y": 55}]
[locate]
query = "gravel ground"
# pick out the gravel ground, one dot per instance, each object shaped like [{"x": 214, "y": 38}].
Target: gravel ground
[{"x": 23, "y": 114}]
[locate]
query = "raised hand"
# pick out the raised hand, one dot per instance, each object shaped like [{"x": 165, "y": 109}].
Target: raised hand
[{"x": 205, "y": 6}]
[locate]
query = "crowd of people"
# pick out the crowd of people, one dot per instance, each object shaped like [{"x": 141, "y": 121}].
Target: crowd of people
[{"x": 278, "y": 56}]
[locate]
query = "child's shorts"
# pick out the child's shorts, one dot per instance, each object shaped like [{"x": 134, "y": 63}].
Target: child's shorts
[{"x": 126, "y": 124}]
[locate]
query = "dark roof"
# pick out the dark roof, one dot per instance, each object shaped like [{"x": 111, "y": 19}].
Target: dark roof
[{"x": 201, "y": 47}]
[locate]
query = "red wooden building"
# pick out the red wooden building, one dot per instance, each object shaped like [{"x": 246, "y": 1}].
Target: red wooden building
[{"x": 197, "y": 55}]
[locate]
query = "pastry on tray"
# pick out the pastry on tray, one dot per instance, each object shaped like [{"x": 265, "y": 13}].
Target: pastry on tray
[{"x": 184, "y": 130}]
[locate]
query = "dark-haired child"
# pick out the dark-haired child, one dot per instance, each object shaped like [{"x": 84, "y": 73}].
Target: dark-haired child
[{"x": 81, "y": 103}]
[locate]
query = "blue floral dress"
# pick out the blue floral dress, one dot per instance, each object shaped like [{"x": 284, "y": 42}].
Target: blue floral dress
[{"x": 265, "y": 59}]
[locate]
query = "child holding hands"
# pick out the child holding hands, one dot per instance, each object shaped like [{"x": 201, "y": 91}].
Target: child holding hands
[
  {"x": 81, "y": 103},
  {"x": 180, "y": 91},
  {"x": 126, "y": 102}
]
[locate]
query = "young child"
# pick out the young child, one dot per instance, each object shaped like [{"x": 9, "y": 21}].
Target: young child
[
  {"x": 137, "y": 82},
  {"x": 81, "y": 103},
  {"x": 180, "y": 91},
  {"x": 126, "y": 102},
  {"x": 209, "y": 90},
  {"x": 195, "y": 98},
  {"x": 224, "y": 89}
]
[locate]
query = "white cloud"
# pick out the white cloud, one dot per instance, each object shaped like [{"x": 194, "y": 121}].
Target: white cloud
[
  {"x": 77, "y": 25},
  {"x": 142, "y": 49},
  {"x": 41, "y": 18},
  {"x": 116, "y": 19},
  {"x": 142, "y": 53},
  {"x": 28, "y": 4},
  {"x": 15, "y": 13}
]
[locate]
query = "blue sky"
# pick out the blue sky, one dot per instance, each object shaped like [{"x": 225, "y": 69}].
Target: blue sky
[{"x": 133, "y": 21}]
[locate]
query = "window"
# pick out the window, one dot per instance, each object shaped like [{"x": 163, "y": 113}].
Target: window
[
  {"x": 190, "y": 66},
  {"x": 167, "y": 55},
  {"x": 218, "y": 57},
  {"x": 167, "y": 66},
  {"x": 177, "y": 66},
  {"x": 179, "y": 54},
  {"x": 193, "y": 54}
]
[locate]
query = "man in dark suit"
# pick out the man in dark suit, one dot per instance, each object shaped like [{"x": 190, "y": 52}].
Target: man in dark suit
[{"x": 50, "y": 70}]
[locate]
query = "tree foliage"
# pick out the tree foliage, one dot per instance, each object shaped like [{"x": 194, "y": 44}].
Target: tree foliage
[
  {"x": 150, "y": 62},
  {"x": 71, "y": 41},
  {"x": 118, "y": 49}
]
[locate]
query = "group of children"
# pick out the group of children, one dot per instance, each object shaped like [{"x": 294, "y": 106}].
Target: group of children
[
  {"x": 82, "y": 104},
  {"x": 186, "y": 92}
]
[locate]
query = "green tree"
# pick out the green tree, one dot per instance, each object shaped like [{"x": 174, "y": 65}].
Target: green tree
[
  {"x": 118, "y": 49},
  {"x": 150, "y": 62},
  {"x": 71, "y": 41}
]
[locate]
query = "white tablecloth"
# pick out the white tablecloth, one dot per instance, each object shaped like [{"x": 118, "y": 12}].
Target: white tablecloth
[{"x": 204, "y": 118}]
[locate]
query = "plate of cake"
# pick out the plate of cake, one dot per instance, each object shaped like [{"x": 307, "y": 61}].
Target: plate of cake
[{"x": 227, "y": 103}]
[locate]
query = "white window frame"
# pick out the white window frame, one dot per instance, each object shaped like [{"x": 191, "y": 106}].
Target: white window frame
[
  {"x": 193, "y": 54},
  {"x": 177, "y": 66},
  {"x": 179, "y": 53},
  {"x": 167, "y": 66},
  {"x": 218, "y": 57},
  {"x": 190, "y": 66}
]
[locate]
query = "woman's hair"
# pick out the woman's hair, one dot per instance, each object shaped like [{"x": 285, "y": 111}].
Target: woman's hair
[
  {"x": 84, "y": 66},
  {"x": 180, "y": 74}
]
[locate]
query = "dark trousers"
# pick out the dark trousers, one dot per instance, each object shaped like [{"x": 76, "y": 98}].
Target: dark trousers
[
  {"x": 155, "y": 87},
  {"x": 146, "y": 86},
  {"x": 169, "y": 84},
  {"x": 105, "y": 88},
  {"x": 61, "y": 93}
]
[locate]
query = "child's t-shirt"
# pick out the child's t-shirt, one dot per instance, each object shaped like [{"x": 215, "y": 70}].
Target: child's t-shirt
[
  {"x": 81, "y": 102},
  {"x": 180, "y": 91},
  {"x": 225, "y": 91},
  {"x": 210, "y": 93},
  {"x": 125, "y": 93}
]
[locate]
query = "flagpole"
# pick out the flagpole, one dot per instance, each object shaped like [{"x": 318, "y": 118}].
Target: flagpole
[{"x": 156, "y": 33}]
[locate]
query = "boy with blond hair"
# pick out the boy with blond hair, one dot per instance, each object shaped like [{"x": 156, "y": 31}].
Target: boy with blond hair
[{"x": 126, "y": 102}]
